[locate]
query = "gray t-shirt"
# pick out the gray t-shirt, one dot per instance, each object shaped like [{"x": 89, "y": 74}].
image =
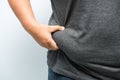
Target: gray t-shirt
[{"x": 90, "y": 44}]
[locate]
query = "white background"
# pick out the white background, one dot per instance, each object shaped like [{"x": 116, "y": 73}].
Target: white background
[{"x": 21, "y": 58}]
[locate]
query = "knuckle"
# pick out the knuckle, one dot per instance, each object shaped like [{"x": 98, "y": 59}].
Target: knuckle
[
  {"x": 47, "y": 41},
  {"x": 55, "y": 48},
  {"x": 57, "y": 26},
  {"x": 49, "y": 28}
]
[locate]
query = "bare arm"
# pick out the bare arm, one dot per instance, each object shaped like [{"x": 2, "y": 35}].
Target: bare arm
[{"x": 41, "y": 33}]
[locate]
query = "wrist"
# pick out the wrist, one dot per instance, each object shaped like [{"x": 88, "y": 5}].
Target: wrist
[{"x": 31, "y": 26}]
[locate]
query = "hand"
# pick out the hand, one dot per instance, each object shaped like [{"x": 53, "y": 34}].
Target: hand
[{"x": 42, "y": 34}]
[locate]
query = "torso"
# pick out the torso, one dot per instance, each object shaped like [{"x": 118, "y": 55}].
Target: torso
[{"x": 89, "y": 46}]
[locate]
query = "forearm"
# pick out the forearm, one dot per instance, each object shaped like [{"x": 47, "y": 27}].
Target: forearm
[
  {"x": 41, "y": 33},
  {"x": 24, "y": 13}
]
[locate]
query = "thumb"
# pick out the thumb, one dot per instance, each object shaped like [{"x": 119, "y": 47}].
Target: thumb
[{"x": 56, "y": 28}]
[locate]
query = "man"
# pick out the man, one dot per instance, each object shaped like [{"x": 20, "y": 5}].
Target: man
[{"x": 89, "y": 46}]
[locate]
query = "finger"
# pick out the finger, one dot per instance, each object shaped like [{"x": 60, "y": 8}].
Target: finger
[
  {"x": 56, "y": 28},
  {"x": 53, "y": 45},
  {"x": 50, "y": 44}
]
